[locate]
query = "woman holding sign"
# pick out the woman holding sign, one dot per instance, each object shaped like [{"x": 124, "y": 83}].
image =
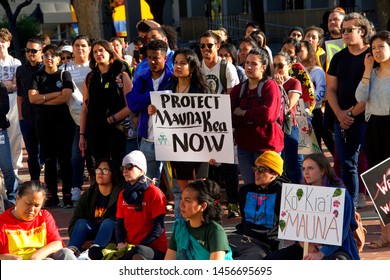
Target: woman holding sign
[
  {"x": 374, "y": 89},
  {"x": 318, "y": 172}
]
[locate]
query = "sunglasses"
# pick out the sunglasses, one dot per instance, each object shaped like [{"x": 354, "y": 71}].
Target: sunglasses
[
  {"x": 66, "y": 57},
  {"x": 128, "y": 167},
  {"x": 33, "y": 51},
  {"x": 52, "y": 56},
  {"x": 224, "y": 55},
  {"x": 280, "y": 65},
  {"x": 104, "y": 171},
  {"x": 209, "y": 46},
  {"x": 348, "y": 29},
  {"x": 260, "y": 169}
]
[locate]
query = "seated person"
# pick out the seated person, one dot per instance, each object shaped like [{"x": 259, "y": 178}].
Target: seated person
[
  {"x": 28, "y": 232},
  {"x": 140, "y": 230},
  {"x": 260, "y": 204},
  {"x": 317, "y": 171},
  {"x": 201, "y": 237},
  {"x": 94, "y": 218}
]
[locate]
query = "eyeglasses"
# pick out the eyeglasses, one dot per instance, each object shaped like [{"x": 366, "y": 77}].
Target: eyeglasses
[
  {"x": 104, "y": 171},
  {"x": 66, "y": 57},
  {"x": 260, "y": 169},
  {"x": 280, "y": 65},
  {"x": 46, "y": 55},
  {"x": 209, "y": 46},
  {"x": 128, "y": 167},
  {"x": 224, "y": 55},
  {"x": 296, "y": 34},
  {"x": 33, "y": 51},
  {"x": 348, "y": 29}
]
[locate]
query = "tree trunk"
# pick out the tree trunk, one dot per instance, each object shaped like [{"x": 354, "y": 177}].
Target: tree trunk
[
  {"x": 88, "y": 17},
  {"x": 257, "y": 8},
  {"x": 383, "y": 12},
  {"x": 12, "y": 23},
  {"x": 156, "y": 8}
]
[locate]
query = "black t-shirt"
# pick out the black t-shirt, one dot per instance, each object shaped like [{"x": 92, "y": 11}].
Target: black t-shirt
[
  {"x": 101, "y": 206},
  {"x": 47, "y": 83},
  {"x": 348, "y": 69}
]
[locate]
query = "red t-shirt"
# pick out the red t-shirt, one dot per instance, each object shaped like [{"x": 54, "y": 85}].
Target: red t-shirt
[
  {"x": 139, "y": 223},
  {"x": 294, "y": 85},
  {"x": 25, "y": 238}
]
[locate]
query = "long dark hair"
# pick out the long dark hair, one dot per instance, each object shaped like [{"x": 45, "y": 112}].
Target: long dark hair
[
  {"x": 311, "y": 54},
  {"x": 265, "y": 60},
  {"x": 117, "y": 176},
  {"x": 231, "y": 49},
  {"x": 107, "y": 46},
  {"x": 197, "y": 77},
  {"x": 209, "y": 192},
  {"x": 330, "y": 178}
]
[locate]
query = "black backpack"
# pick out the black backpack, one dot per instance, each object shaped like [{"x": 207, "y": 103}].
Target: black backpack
[{"x": 284, "y": 117}]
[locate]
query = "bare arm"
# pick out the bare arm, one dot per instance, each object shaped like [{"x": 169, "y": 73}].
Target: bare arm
[
  {"x": 170, "y": 255},
  {"x": 46, "y": 250},
  {"x": 66, "y": 93},
  {"x": 218, "y": 255},
  {"x": 19, "y": 102}
]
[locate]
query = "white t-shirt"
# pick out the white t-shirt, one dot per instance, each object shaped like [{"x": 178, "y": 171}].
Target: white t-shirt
[
  {"x": 8, "y": 68},
  {"x": 212, "y": 76},
  {"x": 156, "y": 83},
  {"x": 78, "y": 72}
]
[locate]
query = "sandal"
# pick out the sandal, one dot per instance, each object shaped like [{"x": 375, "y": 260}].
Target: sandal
[{"x": 380, "y": 243}]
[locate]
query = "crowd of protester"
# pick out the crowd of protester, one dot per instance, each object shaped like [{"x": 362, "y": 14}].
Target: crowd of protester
[{"x": 121, "y": 214}]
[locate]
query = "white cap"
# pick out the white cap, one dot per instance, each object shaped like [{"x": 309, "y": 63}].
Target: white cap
[
  {"x": 67, "y": 48},
  {"x": 137, "y": 158}
]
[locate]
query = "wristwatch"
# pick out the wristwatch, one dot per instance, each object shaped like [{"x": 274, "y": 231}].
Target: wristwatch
[{"x": 349, "y": 114}]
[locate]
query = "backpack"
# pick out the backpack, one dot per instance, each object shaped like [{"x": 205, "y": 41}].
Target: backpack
[
  {"x": 284, "y": 117},
  {"x": 222, "y": 75}
]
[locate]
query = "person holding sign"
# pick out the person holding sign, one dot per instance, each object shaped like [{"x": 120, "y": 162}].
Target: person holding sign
[
  {"x": 317, "y": 171},
  {"x": 201, "y": 237},
  {"x": 260, "y": 201},
  {"x": 374, "y": 89},
  {"x": 255, "y": 118}
]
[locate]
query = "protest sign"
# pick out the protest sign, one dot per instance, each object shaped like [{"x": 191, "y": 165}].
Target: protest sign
[
  {"x": 332, "y": 47},
  {"x": 377, "y": 182},
  {"x": 312, "y": 214},
  {"x": 192, "y": 127}
]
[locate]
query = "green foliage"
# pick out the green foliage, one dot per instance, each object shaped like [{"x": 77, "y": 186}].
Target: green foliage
[{"x": 27, "y": 27}]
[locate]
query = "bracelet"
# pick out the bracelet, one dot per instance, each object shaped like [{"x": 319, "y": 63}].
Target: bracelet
[
  {"x": 82, "y": 134},
  {"x": 44, "y": 97},
  {"x": 366, "y": 78}
]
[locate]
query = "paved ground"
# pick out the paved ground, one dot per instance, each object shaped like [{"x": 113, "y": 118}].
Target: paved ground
[{"x": 369, "y": 217}]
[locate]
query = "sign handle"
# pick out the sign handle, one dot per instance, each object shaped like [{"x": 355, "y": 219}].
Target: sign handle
[{"x": 305, "y": 248}]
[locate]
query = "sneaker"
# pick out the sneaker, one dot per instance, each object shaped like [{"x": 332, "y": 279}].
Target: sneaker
[
  {"x": 67, "y": 201},
  {"x": 95, "y": 252},
  {"x": 75, "y": 250},
  {"x": 84, "y": 256},
  {"x": 52, "y": 201},
  {"x": 361, "y": 203},
  {"x": 76, "y": 193},
  {"x": 233, "y": 210}
]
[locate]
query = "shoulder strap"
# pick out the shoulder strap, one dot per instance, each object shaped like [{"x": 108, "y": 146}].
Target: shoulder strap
[
  {"x": 244, "y": 88},
  {"x": 222, "y": 74},
  {"x": 62, "y": 72}
]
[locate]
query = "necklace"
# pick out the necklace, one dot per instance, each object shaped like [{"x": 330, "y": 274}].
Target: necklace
[{"x": 184, "y": 90}]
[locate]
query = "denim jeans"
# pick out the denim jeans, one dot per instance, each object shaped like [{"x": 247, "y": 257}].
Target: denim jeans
[
  {"x": 6, "y": 165},
  {"x": 292, "y": 160},
  {"x": 154, "y": 166},
  {"x": 77, "y": 161},
  {"x": 246, "y": 160},
  {"x": 348, "y": 148},
  {"x": 100, "y": 233},
  {"x": 31, "y": 143}
]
